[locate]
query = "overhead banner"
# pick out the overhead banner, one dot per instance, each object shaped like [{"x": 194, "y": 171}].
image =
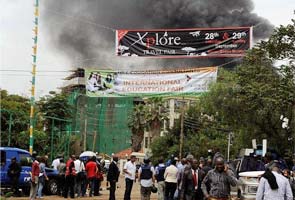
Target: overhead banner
[
  {"x": 184, "y": 43},
  {"x": 102, "y": 83}
]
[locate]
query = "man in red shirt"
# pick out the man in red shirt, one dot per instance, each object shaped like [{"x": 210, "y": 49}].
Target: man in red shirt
[
  {"x": 91, "y": 169},
  {"x": 35, "y": 178},
  {"x": 70, "y": 177}
]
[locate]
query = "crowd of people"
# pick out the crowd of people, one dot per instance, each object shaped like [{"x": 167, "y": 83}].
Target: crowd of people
[
  {"x": 185, "y": 179},
  {"x": 188, "y": 179}
]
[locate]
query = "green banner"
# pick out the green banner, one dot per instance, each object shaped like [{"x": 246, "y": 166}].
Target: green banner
[{"x": 107, "y": 83}]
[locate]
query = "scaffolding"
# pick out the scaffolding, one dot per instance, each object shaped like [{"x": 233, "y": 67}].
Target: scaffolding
[{"x": 102, "y": 123}]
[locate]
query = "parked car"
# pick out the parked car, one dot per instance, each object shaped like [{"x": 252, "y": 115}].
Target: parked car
[
  {"x": 25, "y": 159},
  {"x": 248, "y": 184}
]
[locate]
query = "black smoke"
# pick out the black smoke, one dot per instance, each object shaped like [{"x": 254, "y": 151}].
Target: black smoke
[{"x": 82, "y": 29}]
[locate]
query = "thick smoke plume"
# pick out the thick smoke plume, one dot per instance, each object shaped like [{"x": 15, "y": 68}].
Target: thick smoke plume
[{"x": 80, "y": 28}]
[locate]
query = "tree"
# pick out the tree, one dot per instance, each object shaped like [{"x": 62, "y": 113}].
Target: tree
[
  {"x": 57, "y": 106},
  {"x": 260, "y": 92},
  {"x": 18, "y": 107},
  {"x": 248, "y": 100},
  {"x": 156, "y": 114},
  {"x": 137, "y": 123}
]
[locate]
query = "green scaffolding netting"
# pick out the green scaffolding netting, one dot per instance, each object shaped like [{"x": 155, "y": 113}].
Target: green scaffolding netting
[{"x": 105, "y": 122}]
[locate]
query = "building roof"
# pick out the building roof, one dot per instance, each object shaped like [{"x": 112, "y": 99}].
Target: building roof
[{"x": 125, "y": 153}]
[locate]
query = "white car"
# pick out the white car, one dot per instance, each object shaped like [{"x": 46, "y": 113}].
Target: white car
[{"x": 248, "y": 184}]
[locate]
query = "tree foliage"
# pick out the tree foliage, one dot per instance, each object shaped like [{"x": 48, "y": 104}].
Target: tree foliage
[
  {"x": 137, "y": 123},
  {"x": 248, "y": 101},
  {"x": 55, "y": 105},
  {"x": 18, "y": 107}
]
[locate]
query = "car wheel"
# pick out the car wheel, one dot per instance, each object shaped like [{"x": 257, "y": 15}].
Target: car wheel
[
  {"x": 52, "y": 187},
  {"x": 26, "y": 191}
]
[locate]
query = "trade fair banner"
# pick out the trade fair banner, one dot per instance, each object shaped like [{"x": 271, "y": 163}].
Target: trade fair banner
[
  {"x": 105, "y": 83},
  {"x": 184, "y": 43}
]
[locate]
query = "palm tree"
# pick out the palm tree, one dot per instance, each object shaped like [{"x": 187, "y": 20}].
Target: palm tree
[
  {"x": 137, "y": 123},
  {"x": 148, "y": 116},
  {"x": 155, "y": 116}
]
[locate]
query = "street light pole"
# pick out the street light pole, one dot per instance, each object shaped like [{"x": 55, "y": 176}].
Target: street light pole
[{"x": 32, "y": 100}]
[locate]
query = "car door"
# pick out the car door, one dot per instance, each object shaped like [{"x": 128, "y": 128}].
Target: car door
[
  {"x": 4, "y": 168},
  {"x": 26, "y": 164}
]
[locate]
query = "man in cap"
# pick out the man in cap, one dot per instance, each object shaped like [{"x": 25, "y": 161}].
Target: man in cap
[{"x": 273, "y": 185}]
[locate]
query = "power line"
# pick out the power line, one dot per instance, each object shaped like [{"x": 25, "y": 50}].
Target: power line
[
  {"x": 81, "y": 20},
  {"x": 22, "y": 70},
  {"x": 37, "y": 75}
]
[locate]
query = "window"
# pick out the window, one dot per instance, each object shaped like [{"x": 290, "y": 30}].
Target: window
[
  {"x": 3, "y": 158},
  {"x": 25, "y": 159}
]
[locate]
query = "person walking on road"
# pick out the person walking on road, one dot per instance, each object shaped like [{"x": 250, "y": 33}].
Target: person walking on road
[
  {"x": 13, "y": 173},
  {"x": 70, "y": 177},
  {"x": 42, "y": 177},
  {"x": 160, "y": 170},
  {"x": 61, "y": 177},
  {"x": 91, "y": 169},
  {"x": 146, "y": 174},
  {"x": 35, "y": 178},
  {"x": 218, "y": 181},
  {"x": 198, "y": 175},
  {"x": 113, "y": 177},
  {"x": 129, "y": 170},
  {"x": 170, "y": 175},
  {"x": 274, "y": 186},
  {"x": 80, "y": 170}
]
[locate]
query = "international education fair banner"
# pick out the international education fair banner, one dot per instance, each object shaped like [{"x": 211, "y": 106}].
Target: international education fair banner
[
  {"x": 105, "y": 83},
  {"x": 184, "y": 43}
]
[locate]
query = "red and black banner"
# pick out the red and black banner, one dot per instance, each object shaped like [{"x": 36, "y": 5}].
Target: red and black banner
[{"x": 184, "y": 43}]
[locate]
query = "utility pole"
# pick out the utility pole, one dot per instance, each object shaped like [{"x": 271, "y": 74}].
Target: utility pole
[
  {"x": 94, "y": 141},
  {"x": 228, "y": 144},
  {"x": 85, "y": 134},
  {"x": 181, "y": 130},
  {"x": 32, "y": 101}
]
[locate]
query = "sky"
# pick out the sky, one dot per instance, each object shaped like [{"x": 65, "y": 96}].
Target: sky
[{"x": 16, "y": 45}]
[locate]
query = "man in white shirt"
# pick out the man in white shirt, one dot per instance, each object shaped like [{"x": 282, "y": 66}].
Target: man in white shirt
[
  {"x": 274, "y": 186},
  {"x": 146, "y": 174},
  {"x": 80, "y": 170},
  {"x": 170, "y": 175},
  {"x": 129, "y": 170},
  {"x": 56, "y": 162}
]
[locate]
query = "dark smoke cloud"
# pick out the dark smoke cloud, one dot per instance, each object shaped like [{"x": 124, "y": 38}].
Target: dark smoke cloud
[{"x": 74, "y": 27}]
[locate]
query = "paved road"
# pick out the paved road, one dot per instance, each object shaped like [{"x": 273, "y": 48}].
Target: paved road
[{"x": 105, "y": 193}]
